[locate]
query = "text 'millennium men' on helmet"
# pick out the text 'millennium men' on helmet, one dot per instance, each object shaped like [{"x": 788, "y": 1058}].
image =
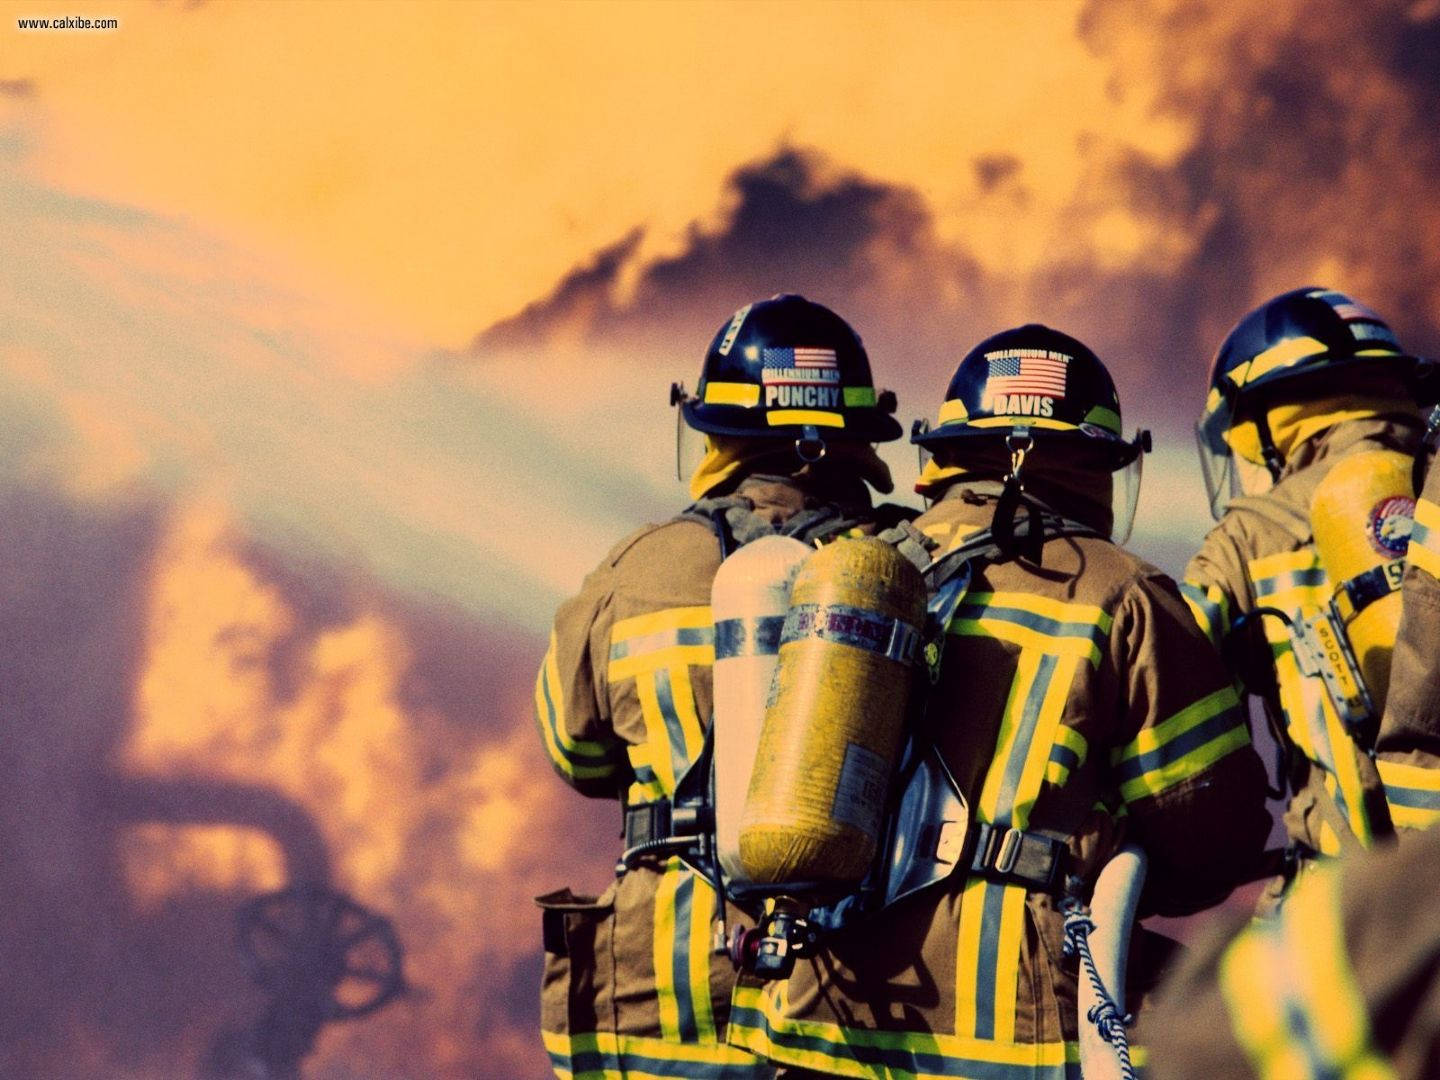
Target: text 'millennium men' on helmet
[
  {"x": 1042, "y": 390},
  {"x": 788, "y": 368},
  {"x": 1303, "y": 344}
]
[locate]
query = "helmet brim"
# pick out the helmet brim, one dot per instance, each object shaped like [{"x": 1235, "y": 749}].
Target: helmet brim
[
  {"x": 1107, "y": 451},
  {"x": 861, "y": 425}
]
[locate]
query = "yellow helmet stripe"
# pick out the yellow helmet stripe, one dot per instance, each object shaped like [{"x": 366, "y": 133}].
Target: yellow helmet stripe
[
  {"x": 952, "y": 411},
  {"x": 732, "y": 393},
  {"x": 1278, "y": 356},
  {"x": 1045, "y": 422},
  {"x": 781, "y": 417}
]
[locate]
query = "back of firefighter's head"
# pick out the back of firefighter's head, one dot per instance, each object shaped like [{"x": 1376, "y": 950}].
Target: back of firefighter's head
[
  {"x": 1292, "y": 369},
  {"x": 1041, "y": 400},
  {"x": 785, "y": 390}
]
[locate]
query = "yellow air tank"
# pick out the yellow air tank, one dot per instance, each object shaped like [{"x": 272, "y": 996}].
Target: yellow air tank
[
  {"x": 748, "y": 601},
  {"x": 1361, "y": 515},
  {"x": 835, "y": 721}
]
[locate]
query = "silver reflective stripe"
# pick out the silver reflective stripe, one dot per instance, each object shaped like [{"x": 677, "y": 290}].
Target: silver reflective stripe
[
  {"x": 748, "y": 637},
  {"x": 893, "y": 639}
]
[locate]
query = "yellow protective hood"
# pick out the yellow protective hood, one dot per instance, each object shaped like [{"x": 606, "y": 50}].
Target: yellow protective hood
[
  {"x": 726, "y": 457},
  {"x": 934, "y": 476},
  {"x": 1293, "y": 424}
]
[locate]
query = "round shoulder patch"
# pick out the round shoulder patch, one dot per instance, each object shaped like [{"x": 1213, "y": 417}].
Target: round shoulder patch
[{"x": 1391, "y": 520}]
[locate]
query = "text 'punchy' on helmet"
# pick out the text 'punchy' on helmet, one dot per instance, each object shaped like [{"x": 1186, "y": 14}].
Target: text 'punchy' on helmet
[{"x": 788, "y": 368}]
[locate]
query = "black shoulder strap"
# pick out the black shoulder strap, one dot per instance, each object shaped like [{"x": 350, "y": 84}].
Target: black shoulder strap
[
  {"x": 733, "y": 521},
  {"x": 985, "y": 546}
]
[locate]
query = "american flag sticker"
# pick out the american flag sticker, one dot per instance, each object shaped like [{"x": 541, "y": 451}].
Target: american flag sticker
[
  {"x": 1364, "y": 325},
  {"x": 800, "y": 377},
  {"x": 1027, "y": 371},
  {"x": 800, "y": 356}
]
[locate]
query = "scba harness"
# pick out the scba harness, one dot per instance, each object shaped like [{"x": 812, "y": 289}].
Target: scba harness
[{"x": 928, "y": 831}]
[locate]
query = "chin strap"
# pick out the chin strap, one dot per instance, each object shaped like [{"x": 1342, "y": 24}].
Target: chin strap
[
  {"x": 1272, "y": 457},
  {"x": 1012, "y": 543}
]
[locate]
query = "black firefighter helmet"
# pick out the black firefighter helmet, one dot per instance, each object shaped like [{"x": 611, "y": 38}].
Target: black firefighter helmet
[
  {"x": 1036, "y": 383},
  {"x": 1304, "y": 343},
  {"x": 788, "y": 368},
  {"x": 1038, "y": 395}
]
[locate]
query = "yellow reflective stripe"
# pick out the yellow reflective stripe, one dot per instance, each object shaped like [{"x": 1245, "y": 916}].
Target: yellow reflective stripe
[
  {"x": 1032, "y": 775},
  {"x": 581, "y": 759},
  {"x": 1424, "y": 550},
  {"x": 679, "y": 618},
  {"x": 669, "y": 638},
  {"x": 684, "y": 697},
  {"x": 642, "y": 792},
  {"x": 1034, "y": 622},
  {"x": 1007, "y": 962},
  {"x": 770, "y": 1006},
  {"x": 1209, "y": 606},
  {"x": 1168, "y": 730},
  {"x": 1329, "y": 840},
  {"x": 732, "y": 393},
  {"x": 780, "y": 417},
  {"x": 859, "y": 397},
  {"x": 649, "y": 663},
  {"x": 967, "y": 952},
  {"x": 1282, "y": 562},
  {"x": 1183, "y": 746},
  {"x": 1105, "y": 418},
  {"x": 657, "y": 735},
  {"x": 620, "y": 1055},
  {"x": 702, "y": 919},
  {"x": 1028, "y": 421},
  {"x": 1068, "y": 737},
  {"x": 1275, "y": 357},
  {"x": 1058, "y": 610},
  {"x": 1026, "y": 668},
  {"x": 1428, "y": 515},
  {"x": 1291, "y": 686},
  {"x": 1412, "y": 792},
  {"x": 952, "y": 411},
  {"x": 663, "y": 949},
  {"x": 1293, "y": 1001},
  {"x": 1294, "y": 582},
  {"x": 1420, "y": 556},
  {"x": 1347, "y": 771},
  {"x": 1411, "y": 817}
]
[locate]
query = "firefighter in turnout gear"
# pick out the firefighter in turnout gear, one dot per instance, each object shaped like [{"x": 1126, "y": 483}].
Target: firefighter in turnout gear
[
  {"x": 788, "y": 414},
  {"x": 1076, "y": 707},
  {"x": 1340, "y": 983},
  {"x": 1409, "y": 736},
  {"x": 1308, "y": 441}
]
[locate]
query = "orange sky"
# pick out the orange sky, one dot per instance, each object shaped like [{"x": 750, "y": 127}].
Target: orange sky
[{"x": 442, "y": 164}]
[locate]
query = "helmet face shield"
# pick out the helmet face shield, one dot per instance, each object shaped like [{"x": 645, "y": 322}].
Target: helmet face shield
[
  {"x": 1124, "y": 497},
  {"x": 1217, "y": 466},
  {"x": 690, "y": 448}
]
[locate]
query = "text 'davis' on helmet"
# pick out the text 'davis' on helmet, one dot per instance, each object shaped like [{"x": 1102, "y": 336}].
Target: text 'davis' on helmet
[{"x": 1042, "y": 388}]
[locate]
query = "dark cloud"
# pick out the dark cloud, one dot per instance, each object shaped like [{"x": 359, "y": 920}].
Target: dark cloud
[
  {"x": 1315, "y": 156},
  {"x": 19, "y": 88},
  {"x": 993, "y": 170},
  {"x": 797, "y": 224},
  {"x": 1315, "y": 152}
]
